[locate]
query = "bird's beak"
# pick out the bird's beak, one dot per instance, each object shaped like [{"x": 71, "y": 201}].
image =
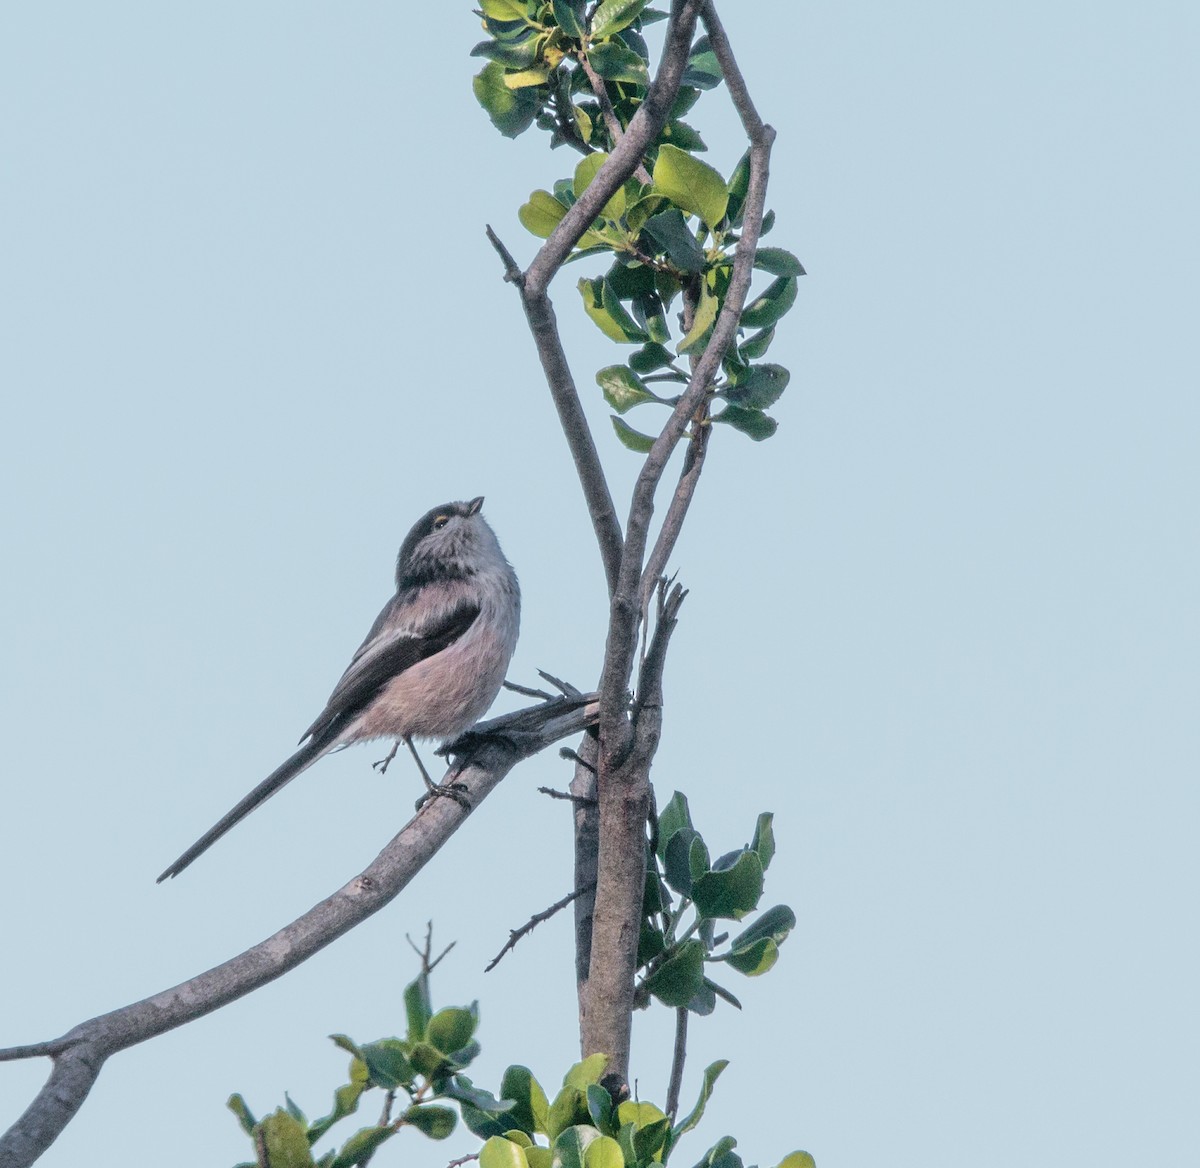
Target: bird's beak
[{"x": 474, "y": 505}]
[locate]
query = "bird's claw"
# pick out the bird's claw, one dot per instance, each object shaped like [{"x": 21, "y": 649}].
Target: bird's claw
[{"x": 455, "y": 791}]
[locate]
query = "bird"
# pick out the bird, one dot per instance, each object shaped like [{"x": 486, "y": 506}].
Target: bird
[{"x": 431, "y": 665}]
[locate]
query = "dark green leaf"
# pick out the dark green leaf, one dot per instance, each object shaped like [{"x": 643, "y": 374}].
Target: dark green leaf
[
  {"x": 511, "y": 110},
  {"x": 753, "y": 423},
  {"x": 677, "y": 980},
  {"x": 571, "y": 1145},
  {"x": 732, "y": 892},
  {"x": 777, "y": 261},
  {"x": 417, "y": 1006},
  {"x": 519, "y": 54},
  {"x": 462, "y": 1089},
  {"x": 711, "y": 1073},
  {"x": 760, "y": 388},
  {"x": 764, "y": 839},
  {"x": 237, "y": 1105},
  {"x": 702, "y": 70},
  {"x": 623, "y": 389},
  {"x": 649, "y": 1138},
  {"x": 613, "y": 15},
  {"x": 723, "y": 993},
  {"x": 569, "y": 17},
  {"x": 592, "y": 293},
  {"x": 600, "y": 1106},
  {"x": 676, "y": 859},
  {"x": 531, "y": 1106},
  {"x": 436, "y": 1122},
  {"x": 388, "y": 1063},
  {"x": 675, "y": 816},
  {"x": 294, "y": 1110},
  {"x": 767, "y": 223},
  {"x": 776, "y": 923},
  {"x": 568, "y": 1109},
  {"x": 649, "y": 357},
  {"x": 755, "y": 959},
  {"x": 612, "y": 305},
  {"x": 542, "y": 214},
  {"x": 738, "y": 185},
  {"x": 669, "y": 230},
  {"x": 755, "y": 346},
  {"x": 705, "y": 1001},
  {"x": 428, "y": 1060},
  {"x": 451, "y": 1029},
  {"x": 766, "y": 309},
  {"x": 690, "y": 184},
  {"x": 347, "y": 1044},
  {"x": 651, "y": 942},
  {"x": 614, "y": 62}
]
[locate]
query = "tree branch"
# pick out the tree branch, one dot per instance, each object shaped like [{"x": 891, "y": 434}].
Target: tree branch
[
  {"x": 495, "y": 747},
  {"x": 515, "y": 935}
]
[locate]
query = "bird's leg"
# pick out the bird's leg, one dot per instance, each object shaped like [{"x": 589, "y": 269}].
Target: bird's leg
[
  {"x": 455, "y": 791},
  {"x": 382, "y": 765}
]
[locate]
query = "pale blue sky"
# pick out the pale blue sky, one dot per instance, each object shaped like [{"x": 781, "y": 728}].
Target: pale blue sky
[{"x": 943, "y": 624}]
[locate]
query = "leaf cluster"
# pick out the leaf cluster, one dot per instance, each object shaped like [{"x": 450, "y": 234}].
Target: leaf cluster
[
  {"x": 686, "y": 895},
  {"x": 672, "y": 238},
  {"x": 425, "y": 1066}
]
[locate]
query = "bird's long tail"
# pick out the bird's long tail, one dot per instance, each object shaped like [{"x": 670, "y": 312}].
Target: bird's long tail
[{"x": 284, "y": 773}]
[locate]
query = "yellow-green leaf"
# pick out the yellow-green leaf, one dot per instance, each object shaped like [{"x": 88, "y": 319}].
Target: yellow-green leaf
[
  {"x": 693, "y": 186},
  {"x": 542, "y": 214}
]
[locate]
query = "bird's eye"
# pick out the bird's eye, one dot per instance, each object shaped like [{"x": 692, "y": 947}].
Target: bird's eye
[{"x": 440, "y": 521}]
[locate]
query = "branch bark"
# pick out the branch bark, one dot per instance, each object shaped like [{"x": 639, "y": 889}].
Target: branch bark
[{"x": 493, "y": 749}]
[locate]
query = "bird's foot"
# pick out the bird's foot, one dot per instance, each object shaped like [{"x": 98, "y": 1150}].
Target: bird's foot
[
  {"x": 455, "y": 791},
  {"x": 382, "y": 765}
]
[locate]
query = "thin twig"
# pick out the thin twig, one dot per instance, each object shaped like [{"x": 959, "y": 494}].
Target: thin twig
[
  {"x": 566, "y": 796},
  {"x": 463, "y": 1160},
  {"x": 516, "y": 934},
  {"x": 527, "y": 691},
  {"x": 565, "y": 752},
  {"x": 677, "y": 1060},
  {"x": 611, "y": 121}
]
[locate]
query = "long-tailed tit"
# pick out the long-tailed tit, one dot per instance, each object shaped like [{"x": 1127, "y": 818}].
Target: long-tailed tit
[{"x": 432, "y": 663}]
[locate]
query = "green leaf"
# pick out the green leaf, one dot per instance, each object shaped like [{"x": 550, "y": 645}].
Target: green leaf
[
  {"x": 711, "y": 1073},
  {"x": 583, "y": 122},
  {"x": 797, "y": 1160},
  {"x": 585, "y": 172},
  {"x": 528, "y": 78},
  {"x": 630, "y": 438},
  {"x": 702, "y": 70},
  {"x": 237, "y": 1105},
  {"x": 568, "y": 1109},
  {"x": 417, "y": 1006},
  {"x": 778, "y": 261},
  {"x": 676, "y": 981},
  {"x": 684, "y": 136},
  {"x": 705, "y": 1001},
  {"x": 767, "y": 223},
  {"x": 615, "y": 62},
  {"x": 531, "y": 1107},
  {"x": 732, "y": 892},
  {"x": 294, "y": 1110},
  {"x": 639, "y": 1114},
  {"x": 604, "y": 1152},
  {"x": 614, "y": 15},
  {"x": 511, "y": 110},
  {"x": 345, "y": 1101},
  {"x": 776, "y": 923},
  {"x": 591, "y": 291},
  {"x": 755, "y": 959},
  {"x": 452, "y": 1028},
  {"x": 639, "y": 211},
  {"x": 388, "y": 1063},
  {"x": 436, "y": 1122},
  {"x": 738, "y": 185},
  {"x": 623, "y": 389},
  {"x": 498, "y": 1152},
  {"x": 505, "y": 9},
  {"x": 764, "y": 839},
  {"x": 600, "y": 1107},
  {"x": 542, "y": 214},
  {"x": 723, "y": 993},
  {"x": 586, "y": 1072},
  {"x": 649, "y": 1140},
  {"x": 347, "y": 1044},
  {"x": 571, "y": 1145},
  {"x": 539, "y": 1157},
  {"x": 753, "y": 423},
  {"x": 634, "y": 334},
  {"x": 568, "y": 18},
  {"x": 755, "y": 346},
  {"x": 677, "y": 866},
  {"x": 762, "y": 387},
  {"x": 690, "y": 184},
  {"x": 702, "y": 322},
  {"x": 674, "y": 817},
  {"x": 772, "y": 304},
  {"x": 512, "y": 54},
  {"x": 428, "y": 1060},
  {"x": 670, "y": 231},
  {"x": 285, "y": 1140},
  {"x": 649, "y": 357}
]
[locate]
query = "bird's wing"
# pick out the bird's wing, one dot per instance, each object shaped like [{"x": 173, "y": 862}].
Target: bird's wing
[{"x": 395, "y": 643}]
